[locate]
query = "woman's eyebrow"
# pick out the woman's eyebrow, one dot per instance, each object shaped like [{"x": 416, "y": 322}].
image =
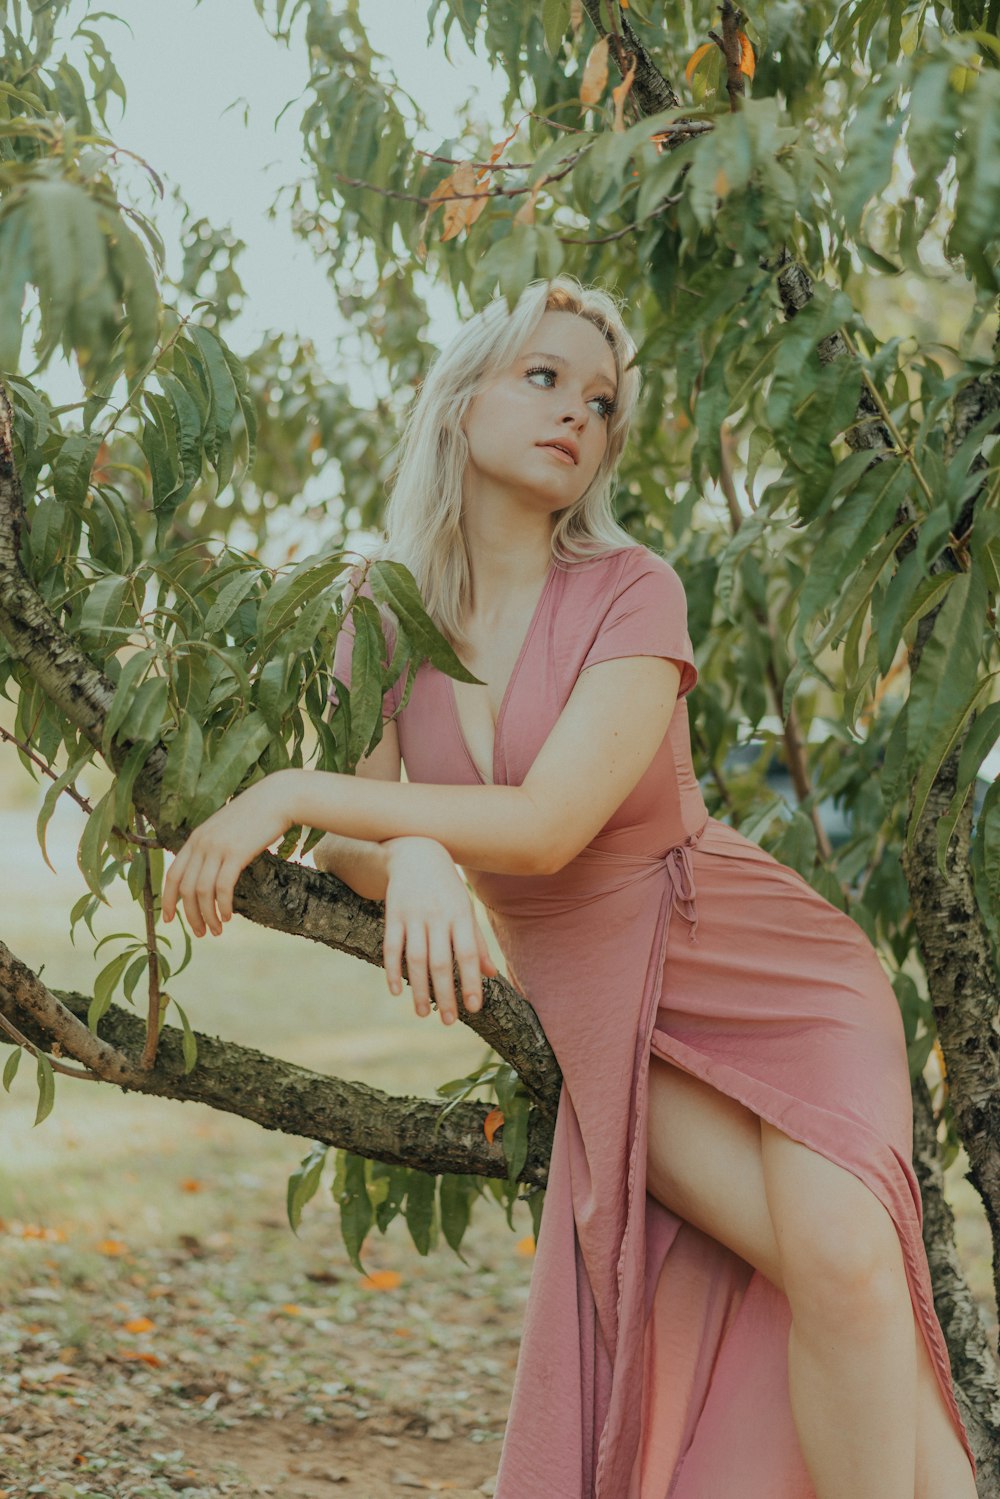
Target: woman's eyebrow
[{"x": 558, "y": 359}]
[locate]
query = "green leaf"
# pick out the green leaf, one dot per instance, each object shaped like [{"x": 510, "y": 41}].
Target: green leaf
[
  {"x": 72, "y": 467},
  {"x": 230, "y": 599},
  {"x": 351, "y": 1192},
  {"x": 189, "y": 1042},
  {"x": 241, "y": 748},
  {"x": 366, "y": 678},
  {"x": 104, "y": 987},
  {"x": 51, "y": 798},
  {"x": 394, "y": 584},
  {"x": 304, "y": 1183},
  {"x": 121, "y": 704},
  {"x": 420, "y": 1196},
  {"x": 46, "y": 1088},
  {"x": 10, "y": 1067},
  {"x": 456, "y": 1195},
  {"x": 105, "y": 608},
  {"x": 219, "y": 387},
  {"x": 555, "y": 20},
  {"x": 287, "y": 596},
  {"x": 180, "y": 775},
  {"x": 92, "y": 844},
  {"x": 945, "y": 682}
]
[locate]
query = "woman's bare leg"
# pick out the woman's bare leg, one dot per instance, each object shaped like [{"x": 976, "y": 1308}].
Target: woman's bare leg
[
  {"x": 943, "y": 1469},
  {"x": 705, "y": 1162}
]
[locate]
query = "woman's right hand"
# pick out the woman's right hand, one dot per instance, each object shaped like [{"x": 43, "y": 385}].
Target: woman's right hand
[{"x": 428, "y": 913}]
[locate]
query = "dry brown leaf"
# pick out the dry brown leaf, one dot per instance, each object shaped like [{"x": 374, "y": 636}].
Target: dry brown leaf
[
  {"x": 140, "y": 1324},
  {"x": 498, "y": 151},
  {"x": 595, "y": 73},
  {"x": 492, "y": 1123},
  {"x": 461, "y": 212},
  {"x": 696, "y": 57},
  {"x": 747, "y": 61},
  {"x": 382, "y": 1280},
  {"x": 620, "y": 94}
]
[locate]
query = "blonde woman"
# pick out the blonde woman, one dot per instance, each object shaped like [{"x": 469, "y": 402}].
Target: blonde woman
[{"x": 730, "y": 1298}]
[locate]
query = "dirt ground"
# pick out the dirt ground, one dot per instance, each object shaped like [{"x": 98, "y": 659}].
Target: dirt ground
[{"x": 239, "y": 1359}]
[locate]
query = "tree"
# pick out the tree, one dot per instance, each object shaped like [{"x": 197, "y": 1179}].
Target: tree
[{"x": 773, "y": 196}]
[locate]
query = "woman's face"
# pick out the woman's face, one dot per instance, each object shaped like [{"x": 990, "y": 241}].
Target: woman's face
[{"x": 560, "y": 389}]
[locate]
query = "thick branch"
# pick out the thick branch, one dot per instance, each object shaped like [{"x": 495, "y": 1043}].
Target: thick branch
[
  {"x": 273, "y": 1093},
  {"x": 650, "y": 90},
  {"x": 977, "y": 1385}
]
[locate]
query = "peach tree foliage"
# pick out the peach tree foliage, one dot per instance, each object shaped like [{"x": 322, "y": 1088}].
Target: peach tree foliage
[{"x": 755, "y": 213}]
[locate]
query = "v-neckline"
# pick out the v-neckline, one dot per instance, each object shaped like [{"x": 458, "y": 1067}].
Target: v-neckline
[{"x": 506, "y": 693}]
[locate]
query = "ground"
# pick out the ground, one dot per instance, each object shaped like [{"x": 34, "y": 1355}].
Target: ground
[{"x": 202, "y": 1349}]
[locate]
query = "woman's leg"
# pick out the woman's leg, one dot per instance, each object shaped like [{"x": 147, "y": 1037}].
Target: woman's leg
[
  {"x": 852, "y": 1367},
  {"x": 943, "y": 1469},
  {"x": 706, "y": 1163}
]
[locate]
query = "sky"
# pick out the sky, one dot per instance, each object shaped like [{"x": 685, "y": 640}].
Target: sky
[{"x": 206, "y": 84}]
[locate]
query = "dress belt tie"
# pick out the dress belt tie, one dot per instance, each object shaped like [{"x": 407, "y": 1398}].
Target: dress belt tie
[{"x": 680, "y": 870}]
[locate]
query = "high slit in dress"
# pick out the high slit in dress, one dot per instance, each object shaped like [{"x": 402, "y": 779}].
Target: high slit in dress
[{"x": 653, "y": 1362}]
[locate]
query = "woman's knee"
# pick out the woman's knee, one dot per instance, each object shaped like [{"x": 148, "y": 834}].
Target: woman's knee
[{"x": 839, "y": 1248}]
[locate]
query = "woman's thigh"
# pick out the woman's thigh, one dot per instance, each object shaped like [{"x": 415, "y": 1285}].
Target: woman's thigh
[{"x": 704, "y": 1164}]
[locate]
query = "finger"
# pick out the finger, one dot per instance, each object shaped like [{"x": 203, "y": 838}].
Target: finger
[
  {"x": 171, "y": 885},
  {"x": 187, "y": 894},
  {"x": 467, "y": 957},
  {"x": 392, "y": 951},
  {"x": 208, "y": 878},
  {"x": 441, "y": 965},
  {"x": 229, "y": 873},
  {"x": 416, "y": 966}
]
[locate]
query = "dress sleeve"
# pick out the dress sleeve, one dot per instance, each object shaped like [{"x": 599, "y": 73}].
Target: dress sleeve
[
  {"x": 344, "y": 651},
  {"x": 647, "y": 616}
]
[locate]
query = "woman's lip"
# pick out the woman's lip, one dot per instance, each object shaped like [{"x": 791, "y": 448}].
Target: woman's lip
[{"x": 559, "y": 452}]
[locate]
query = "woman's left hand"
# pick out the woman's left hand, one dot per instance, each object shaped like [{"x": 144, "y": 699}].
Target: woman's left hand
[{"x": 204, "y": 873}]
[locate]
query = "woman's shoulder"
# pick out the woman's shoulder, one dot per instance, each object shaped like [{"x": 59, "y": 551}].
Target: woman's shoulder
[{"x": 622, "y": 565}]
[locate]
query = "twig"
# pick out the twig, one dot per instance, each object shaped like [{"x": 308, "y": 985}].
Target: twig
[
  {"x": 604, "y": 239},
  {"x": 72, "y": 792},
  {"x": 15, "y": 1034},
  {"x": 148, "y": 1059}
]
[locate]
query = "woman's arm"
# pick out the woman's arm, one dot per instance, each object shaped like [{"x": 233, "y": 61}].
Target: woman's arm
[
  {"x": 603, "y": 742},
  {"x": 362, "y": 863}
]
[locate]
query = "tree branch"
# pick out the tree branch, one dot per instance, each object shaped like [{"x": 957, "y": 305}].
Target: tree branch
[
  {"x": 977, "y": 1383},
  {"x": 650, "y": 90},
  {"x": 276, "y": 1095}
]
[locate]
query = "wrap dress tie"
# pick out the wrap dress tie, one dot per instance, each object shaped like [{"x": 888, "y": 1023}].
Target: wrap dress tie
[{"x": 653, "y": 1362}]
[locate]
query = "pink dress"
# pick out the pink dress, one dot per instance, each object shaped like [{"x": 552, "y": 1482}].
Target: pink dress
[{"x": 653, "y": 1363}]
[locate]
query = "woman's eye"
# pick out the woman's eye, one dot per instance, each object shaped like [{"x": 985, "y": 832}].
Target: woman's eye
[{"x": 606, "y": 403}]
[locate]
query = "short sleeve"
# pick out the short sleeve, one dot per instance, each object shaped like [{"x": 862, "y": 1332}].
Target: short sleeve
[
  {"x": 647, "y": 616},
  {"x": 344, "y": 650}
]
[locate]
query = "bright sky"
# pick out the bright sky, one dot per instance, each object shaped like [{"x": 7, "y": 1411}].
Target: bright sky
[{"x": 184, "y": 64}]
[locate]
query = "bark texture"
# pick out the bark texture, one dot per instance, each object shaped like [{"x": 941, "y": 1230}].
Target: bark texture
[
  {"x": 976, "y": 1388},
  {"x": 276, "y": 1095}
]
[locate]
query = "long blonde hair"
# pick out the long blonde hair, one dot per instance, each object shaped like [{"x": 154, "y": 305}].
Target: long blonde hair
[{"x": 423, "y": 518}]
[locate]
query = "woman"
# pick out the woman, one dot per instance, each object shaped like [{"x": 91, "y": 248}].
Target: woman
[{"x": 730, "y": 1298}]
